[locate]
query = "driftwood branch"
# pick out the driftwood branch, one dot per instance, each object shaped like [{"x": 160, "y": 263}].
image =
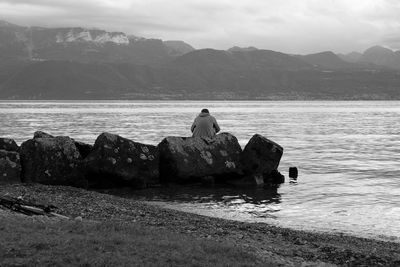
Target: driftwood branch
[{"x": 28, "y": 208}]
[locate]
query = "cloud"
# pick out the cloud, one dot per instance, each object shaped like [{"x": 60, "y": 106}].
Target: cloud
[{"x": 293, "y": 26}]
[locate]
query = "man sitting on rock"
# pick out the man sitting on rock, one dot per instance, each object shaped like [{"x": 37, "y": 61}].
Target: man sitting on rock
[{"x": 205, "y": 125}]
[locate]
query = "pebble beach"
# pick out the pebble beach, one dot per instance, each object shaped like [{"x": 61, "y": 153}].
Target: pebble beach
[{"x": 270, "y": 244}]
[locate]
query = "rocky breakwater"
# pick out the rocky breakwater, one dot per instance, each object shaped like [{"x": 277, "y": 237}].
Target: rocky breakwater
[
  {"x": 10, "y": 165},
  {"x": 191, "y": 159},
  {"x": 116, "y": 161}
]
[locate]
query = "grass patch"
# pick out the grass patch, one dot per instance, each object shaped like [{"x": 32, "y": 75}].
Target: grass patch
[{"x": 44, "y": 242}]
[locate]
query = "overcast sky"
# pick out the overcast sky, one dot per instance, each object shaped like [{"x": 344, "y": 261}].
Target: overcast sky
[{"x": 291, "y": 26}]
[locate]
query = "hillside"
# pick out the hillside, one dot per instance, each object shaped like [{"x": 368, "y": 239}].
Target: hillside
[
  {"x": 80, "y": 63},
  {"x": 203, "y": 80},
  {"x": 178, "y": 48},
  {"x": 327, "y": 60},
  {"x": 79, "y": 44},
  {"x": 381, "y": 56}
]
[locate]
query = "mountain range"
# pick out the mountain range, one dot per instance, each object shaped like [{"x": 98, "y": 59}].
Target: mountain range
[{"x": 80, "y": 63}]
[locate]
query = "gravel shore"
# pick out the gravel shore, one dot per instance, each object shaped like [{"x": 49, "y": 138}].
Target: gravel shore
[{"x": 282, "y": 246}]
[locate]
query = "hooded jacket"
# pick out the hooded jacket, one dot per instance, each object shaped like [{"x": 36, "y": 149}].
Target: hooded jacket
[{"x": 205, "y": 125}]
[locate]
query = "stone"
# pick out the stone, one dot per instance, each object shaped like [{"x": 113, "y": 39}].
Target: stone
[
  {"x": 40, "y": 134},
  {"x": 83, "y": 148},
  {"x": 260, "y": 158},
  {"x": 274, "y": 177},
  {"x": 293, "y": 172},
  {"x": 8, "y": 145},
  {"x": 116, "y": 161},
  {"x": 10, "y": 167},
  {"x": 189, "y": 159},
  {"x": 51, "y": 160}
]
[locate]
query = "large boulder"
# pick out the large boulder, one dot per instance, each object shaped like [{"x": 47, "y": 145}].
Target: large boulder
[
  {"x": 10, "y": 167},
  {"x": 117, "y": 161},
  {"x": 8, "y": 145},
  {"x": 40, "y": 134},
  {"x": 51, "y": 160},
  {"x": 83, "y": 148},
  {"x": 260, "y": 160},
  {"x": 189, "y": 159}
]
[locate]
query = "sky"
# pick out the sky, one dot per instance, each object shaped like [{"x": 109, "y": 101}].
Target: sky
[{"x": 289, "y": 26}]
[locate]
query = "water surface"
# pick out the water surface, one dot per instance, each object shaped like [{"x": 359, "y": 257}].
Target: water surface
[{"x": 348, "y": 155}]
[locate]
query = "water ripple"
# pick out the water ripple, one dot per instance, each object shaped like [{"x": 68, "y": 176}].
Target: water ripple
[{"x": 348, "y": 154}]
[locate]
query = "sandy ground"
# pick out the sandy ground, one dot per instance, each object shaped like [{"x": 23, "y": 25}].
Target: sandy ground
[{"x": 282, "y": 246}]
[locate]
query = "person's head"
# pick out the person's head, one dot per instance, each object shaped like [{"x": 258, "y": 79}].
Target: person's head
[{"x": 204, "y": 110}]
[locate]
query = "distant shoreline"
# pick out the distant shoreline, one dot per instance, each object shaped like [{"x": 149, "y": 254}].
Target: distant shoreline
[{"x": 197, "y": 100}]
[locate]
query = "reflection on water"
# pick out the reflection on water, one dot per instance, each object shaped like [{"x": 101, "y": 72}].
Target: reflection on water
[
  {"x": 255, "y": 201},
  {"x": 347, "y": 153}
]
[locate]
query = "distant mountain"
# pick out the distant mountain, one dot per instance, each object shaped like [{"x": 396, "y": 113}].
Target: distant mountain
[
  {"x": 82, "y": 45},
  {"x": 352, "y": 57},
  {"x": 381, "y": 56},
  {"x": 178, "y": 48},
  {"x": 63, "y": 80},
  {"x": 80, "y": 63},
  {"x": 201, "y": 74},
  {"x": 211, "y": 59},
  {"x": 242, "y": 49},
  {"x": 326, "y": 60}
]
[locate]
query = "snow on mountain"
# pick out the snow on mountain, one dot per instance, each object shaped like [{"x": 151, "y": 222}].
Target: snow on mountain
[
  {"x": 95, "y": 36},
  {"x": 118, "y": 38}
]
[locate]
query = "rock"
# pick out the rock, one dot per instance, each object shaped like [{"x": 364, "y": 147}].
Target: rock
[
  {"x": 274, "y": 177},
  {"x": 117, "y": 161},
  {"x": 8, "y": 145},
  {"x": 259, "y": 158},
  {"x": 83, "y": 148},
  {"x": 51, "y": 160},
  {"x": 40, "y": 134},
  {"x": 10, "y": 167},
  {"x": 293, "y": 172},
  {"x": 188, "y": 159}
]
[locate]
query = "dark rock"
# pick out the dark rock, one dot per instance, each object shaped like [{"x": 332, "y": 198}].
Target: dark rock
[
  {"x": 293, "y": 172},
  {"x": 259, "y": 158},
  {"x": 83, "y": 148},
  {"x": 117, "y": 161},
  {"x": 10, "y": 167},
  {"x": 188, "y": 159},
  {"x": 51, "y": 161},
  {"x": 274, "y": 177},
  {"x": 208, "y": 181},
  {"x": 40, "y": 134},
  {"x": 8, "y": 145}
]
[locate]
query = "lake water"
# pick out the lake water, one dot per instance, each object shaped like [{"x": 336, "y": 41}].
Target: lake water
[{"x": 347, "y": 153}]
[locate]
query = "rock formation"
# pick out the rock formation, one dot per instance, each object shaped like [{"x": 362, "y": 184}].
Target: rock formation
[
  {"x": 187, "y": 159},
  {"x": 40, "y": 134},
  {"x": 8, "y": 145},
  {"x": 83, "y": 148},
  {"x": 51, "y": 160},
  {"x": 10, "y": 167},
  {"x": 116, "y": 161},
  {"x": 260, "y": 158}
]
